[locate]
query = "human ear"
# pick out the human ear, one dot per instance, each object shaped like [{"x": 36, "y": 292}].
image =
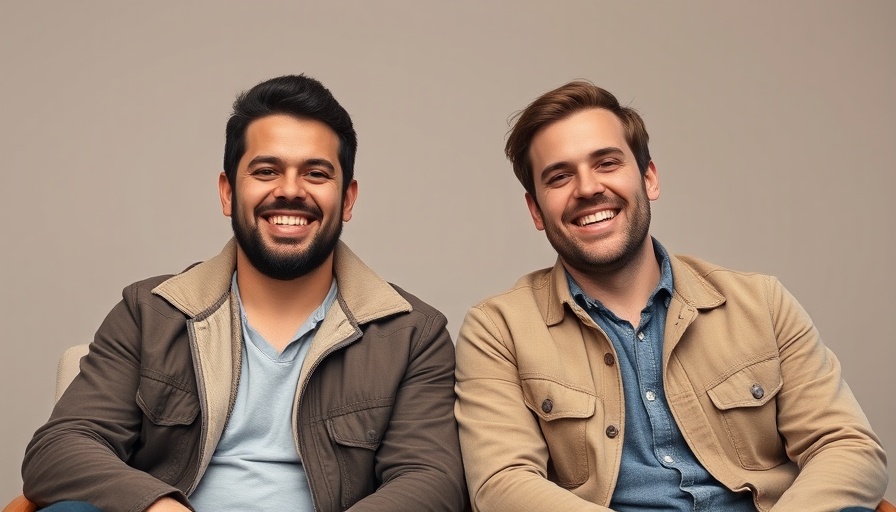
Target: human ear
[{"x": 535, "y": 211}]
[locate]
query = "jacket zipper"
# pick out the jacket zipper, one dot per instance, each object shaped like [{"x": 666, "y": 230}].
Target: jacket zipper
[
  {"x": 299, "y": 445},
  {"x": 200, "y": 378},
  {"x": 203, "y": 406}
]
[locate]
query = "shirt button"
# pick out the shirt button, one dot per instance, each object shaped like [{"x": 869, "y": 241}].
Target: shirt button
[
  {"x": 547, "y": 405},
  {"x": 651, "y": 396},
  {"x": 757, "y": 391},
  {"x": 641, "y": 335},
  {"x": 609, "y": 359},
  {"x": 612, "y": 431},
  {"x": 668, "y": 459}
]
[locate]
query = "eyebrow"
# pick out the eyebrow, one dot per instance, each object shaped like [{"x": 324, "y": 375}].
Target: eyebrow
[
  {"x": 598, "y": 153},
  {"x": 266, "y": 159}
]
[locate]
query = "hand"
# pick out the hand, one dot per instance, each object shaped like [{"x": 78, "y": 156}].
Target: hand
[{"x": 167, "y": 504}]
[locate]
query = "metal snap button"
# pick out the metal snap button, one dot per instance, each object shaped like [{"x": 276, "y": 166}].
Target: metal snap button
[
  {"x": 757, "y": 391},
  {"x": 609, "y": 360},
  {"x": 612, "y": 431},
  {"x": 547, "y": 405}
]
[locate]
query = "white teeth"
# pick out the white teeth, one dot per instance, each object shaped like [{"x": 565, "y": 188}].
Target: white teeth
[
  {"x": 288, "y": 220},
  {"x": 597, "y": 217}
]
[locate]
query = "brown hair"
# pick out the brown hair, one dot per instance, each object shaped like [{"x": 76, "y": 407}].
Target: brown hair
[{"x": 559, "y": 104}]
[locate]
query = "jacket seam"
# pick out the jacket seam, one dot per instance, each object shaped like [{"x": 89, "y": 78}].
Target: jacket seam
[
  {"x": 552, "y": 378},
  {"x": 167, "y": 379},
  {"x": 424, "y": 334},
  {"x": 495, "y": 330},
  {"x": 734, "y": 368},
  {"x": 354, "y": 406}
]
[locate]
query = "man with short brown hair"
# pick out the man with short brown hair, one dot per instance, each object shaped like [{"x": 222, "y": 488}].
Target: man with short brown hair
[{"x": 626, "y": 378}]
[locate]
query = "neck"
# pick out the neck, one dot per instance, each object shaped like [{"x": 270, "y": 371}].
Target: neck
[
  {"x": 278, "y": 308},
  {"x": 623, "y": 290}
]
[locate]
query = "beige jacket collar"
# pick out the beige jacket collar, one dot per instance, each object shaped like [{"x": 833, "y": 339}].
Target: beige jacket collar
[
  {"x": 201, "y": 289},
  {"x": 688, "y": 286}
]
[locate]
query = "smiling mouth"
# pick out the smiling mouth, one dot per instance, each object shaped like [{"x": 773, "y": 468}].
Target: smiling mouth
[
  {"x": 594, "y": 218},
  {"x": 288, "y": 220}
]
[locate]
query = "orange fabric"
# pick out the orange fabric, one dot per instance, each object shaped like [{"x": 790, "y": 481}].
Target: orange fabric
[
  {"x": 886, "y": 506},
  {"x": 20, "y": 504}
]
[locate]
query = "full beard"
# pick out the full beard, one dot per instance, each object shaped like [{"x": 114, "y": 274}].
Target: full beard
[{"x": 284, "y": 265}]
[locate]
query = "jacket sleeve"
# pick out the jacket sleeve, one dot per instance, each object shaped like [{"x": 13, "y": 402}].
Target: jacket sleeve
[
  {"x": 419, "y": 461},
  {"x": 79, "y": 453},
  {"x": 505, "y": 455},
  {"x": 826, "y": 433}
]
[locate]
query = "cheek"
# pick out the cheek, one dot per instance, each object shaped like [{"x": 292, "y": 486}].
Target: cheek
[
  {"x": 329, "y": 200},
  {"x": 553, "y": 206}
]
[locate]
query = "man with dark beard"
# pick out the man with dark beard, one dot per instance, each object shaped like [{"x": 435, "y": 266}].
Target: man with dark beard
[
  {"x": 629, "y": 379},
  {"x": 282, "y": 374}
]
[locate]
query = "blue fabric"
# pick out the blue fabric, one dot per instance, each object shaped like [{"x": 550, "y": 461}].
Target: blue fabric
[
  {"x": 71, "y": 506},
  {"x": 658, "y": 471},
  {"x": 257, "y": 454}
]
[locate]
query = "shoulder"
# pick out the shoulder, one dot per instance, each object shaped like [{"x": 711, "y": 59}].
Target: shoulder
[
  {"x": 702, "y": 283},
  {"x": 142, "y": 290},
  {"x": 524, "y": 307},
  {"x": 418, "y": 306},
  {"x": 716, "y": 274},
  {"x": 526, "y": 290}
]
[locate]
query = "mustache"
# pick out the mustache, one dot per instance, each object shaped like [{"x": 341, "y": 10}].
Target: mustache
[{"x": 294, "y": 205}]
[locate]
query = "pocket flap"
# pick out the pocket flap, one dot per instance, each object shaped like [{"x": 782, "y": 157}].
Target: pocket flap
[
  {"x": 551, "y": 400},
  {"x": 165, "y": 404},
  {"x": 360, "y": 429},
  {"x": 751, "y": 386}
]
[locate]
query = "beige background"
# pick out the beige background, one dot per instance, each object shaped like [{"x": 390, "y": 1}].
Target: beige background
[{"x": 772, "y": 128}]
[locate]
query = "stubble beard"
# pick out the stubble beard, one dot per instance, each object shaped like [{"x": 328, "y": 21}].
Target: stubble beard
[
  {"x": 605, "y": 261},
  {"x": 285, "y": 265}
]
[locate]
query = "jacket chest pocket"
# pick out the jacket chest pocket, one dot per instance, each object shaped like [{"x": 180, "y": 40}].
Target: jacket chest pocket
[
  {"x": 357, "y": 436},
  {"x": 165, "y": 441},
  {"x": 745, "y": 400},
  {"x": 563, "y": 413}
]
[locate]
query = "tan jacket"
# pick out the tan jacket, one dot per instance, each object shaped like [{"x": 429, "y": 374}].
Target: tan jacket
[
  {"x": 541, "y": 413},
  {"x": 372, "y": 418}
]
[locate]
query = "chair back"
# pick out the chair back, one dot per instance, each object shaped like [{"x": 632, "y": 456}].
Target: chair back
[{"x": 69, "y": 366}]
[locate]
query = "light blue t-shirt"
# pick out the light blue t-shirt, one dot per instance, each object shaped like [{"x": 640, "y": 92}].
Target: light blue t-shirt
[{"x": 256, "y": 465}]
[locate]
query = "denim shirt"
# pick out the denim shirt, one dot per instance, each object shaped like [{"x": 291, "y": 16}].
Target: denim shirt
[{"x": 658, "y": 471}]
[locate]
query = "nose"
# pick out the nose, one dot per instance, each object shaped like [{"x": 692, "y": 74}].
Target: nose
[
  {"x": 588, "y": 184},
  {"x": 290, "y": 186}
]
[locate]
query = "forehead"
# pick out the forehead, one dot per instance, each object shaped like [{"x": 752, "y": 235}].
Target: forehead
[
  {"x": 291, "y": 139},
  {"x": 577, "y": 136}
]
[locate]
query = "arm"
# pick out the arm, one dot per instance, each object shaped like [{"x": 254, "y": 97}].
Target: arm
[
  {"x": 825, "y": 431},
  {"x": 79, "y": 453},
  {"x": 505, "y": 454},
  {"x": 167, "y": 504},
  {"x": 419, "y": 460}
]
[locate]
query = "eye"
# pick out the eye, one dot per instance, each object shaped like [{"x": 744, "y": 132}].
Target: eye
[
  {"x": 317, "y": 175},
  {"x": 608, "y": 165},
  {"x": 558, "y": 179},
  {"x": 264, "y": 173}
]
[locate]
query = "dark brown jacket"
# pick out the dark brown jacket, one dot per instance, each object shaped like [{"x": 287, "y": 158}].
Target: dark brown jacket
[{"x": 373, "y": 414}]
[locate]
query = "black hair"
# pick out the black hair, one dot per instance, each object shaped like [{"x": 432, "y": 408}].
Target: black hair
[{"x": 294, "y": 95}]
